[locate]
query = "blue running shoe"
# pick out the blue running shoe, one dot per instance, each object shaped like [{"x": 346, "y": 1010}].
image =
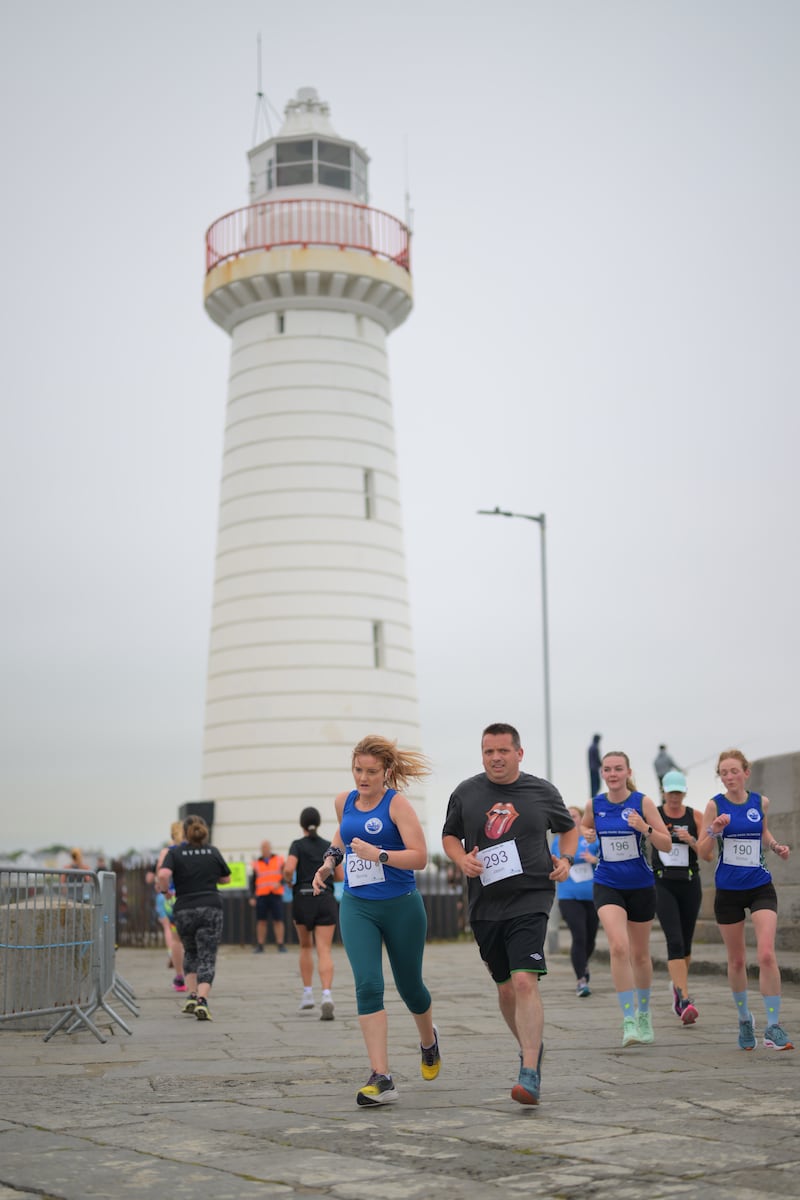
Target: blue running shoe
[
  {"x": 775, "y": 1037},
  {"x": 526, "y": 1090},
  {"x": 747, "y": 1034}
]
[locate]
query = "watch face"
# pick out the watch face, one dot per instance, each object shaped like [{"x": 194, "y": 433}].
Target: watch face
[{"x": 383, "y": 856}]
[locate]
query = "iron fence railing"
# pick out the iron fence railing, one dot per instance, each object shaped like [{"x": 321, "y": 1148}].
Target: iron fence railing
[
  {"x": 443, "y": 890},
  {"x": 308, "y": 222}
]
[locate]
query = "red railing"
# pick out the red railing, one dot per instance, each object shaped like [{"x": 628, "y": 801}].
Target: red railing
[{"x": 304, "y": 223}]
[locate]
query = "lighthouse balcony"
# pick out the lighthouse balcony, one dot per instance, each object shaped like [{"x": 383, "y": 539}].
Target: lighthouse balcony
[{"x": 309, "y": 252}]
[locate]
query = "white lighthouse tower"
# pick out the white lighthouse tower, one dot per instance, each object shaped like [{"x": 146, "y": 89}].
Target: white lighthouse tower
[{"x": 311, "y": 643}]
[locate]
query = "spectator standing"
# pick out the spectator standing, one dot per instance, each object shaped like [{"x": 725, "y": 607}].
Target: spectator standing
[
  {"x": 594, "y": 757},
  {"x": 664, "y": 762},
  {"x": 266, "y": 885}
]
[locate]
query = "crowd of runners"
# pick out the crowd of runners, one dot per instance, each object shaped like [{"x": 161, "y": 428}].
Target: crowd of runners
[{"x": 617, "y": 864}]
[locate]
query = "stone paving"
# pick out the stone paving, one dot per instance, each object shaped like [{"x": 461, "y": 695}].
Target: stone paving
[{"x": 261, "y": 1101}]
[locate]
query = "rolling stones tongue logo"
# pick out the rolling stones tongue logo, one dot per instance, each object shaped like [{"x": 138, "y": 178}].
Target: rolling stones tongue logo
[{"x": 499, "y": 820}]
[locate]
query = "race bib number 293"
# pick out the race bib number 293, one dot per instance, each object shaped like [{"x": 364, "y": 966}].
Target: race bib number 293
[{"x": 499, "y": 862}]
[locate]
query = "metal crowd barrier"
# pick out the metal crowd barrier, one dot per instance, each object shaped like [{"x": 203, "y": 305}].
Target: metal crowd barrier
[{"x": 57, "y": 950}]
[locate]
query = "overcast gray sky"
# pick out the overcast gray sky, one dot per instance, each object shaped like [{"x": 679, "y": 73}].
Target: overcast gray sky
[{"x": 606, "y": 260}]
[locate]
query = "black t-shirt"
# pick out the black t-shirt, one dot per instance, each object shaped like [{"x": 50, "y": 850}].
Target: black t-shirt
[
  {"x": 195, "y": 872},
  {"x": 309, "y": 852},
  {"x": 514, "y": 819},
  {"x": 663, "y": 870}
]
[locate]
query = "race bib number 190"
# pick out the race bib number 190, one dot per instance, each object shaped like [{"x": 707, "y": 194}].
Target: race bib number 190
[{"x": 741, "y": 852}]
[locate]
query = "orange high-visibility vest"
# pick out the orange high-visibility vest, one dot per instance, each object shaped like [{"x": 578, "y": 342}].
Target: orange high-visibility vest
[{"x": 268, "y": 876}]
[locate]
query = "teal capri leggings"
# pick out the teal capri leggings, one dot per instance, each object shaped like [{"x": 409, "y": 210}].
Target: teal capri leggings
[{"x": 401, "y": 923}]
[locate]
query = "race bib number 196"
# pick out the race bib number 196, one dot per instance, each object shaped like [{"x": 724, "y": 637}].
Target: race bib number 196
[{"x": 619, "y": 848}]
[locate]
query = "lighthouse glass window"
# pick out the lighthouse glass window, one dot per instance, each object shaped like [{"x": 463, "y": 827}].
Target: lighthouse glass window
[
  {"x": 333, "y": 166},
  {"x": 295, "y": 163}
]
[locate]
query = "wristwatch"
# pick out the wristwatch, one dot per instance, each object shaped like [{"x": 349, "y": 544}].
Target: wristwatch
[
  {"x": 569, "y": 859},
  {"x": 383, "y": 857}
]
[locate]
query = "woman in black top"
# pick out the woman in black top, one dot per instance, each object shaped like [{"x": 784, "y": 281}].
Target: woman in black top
[
  {"x": 679, "y": 891},
  {"x": 314, "y": 917},
  {"x": 196, "y": 868}
]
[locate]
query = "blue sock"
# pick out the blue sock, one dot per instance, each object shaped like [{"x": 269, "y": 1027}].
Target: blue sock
[
  {"x": 773, "y": 1006},
  {"x": 626, "y": 1003},
  {"x": 743, "y": 1008},
  {"x": 643, "y": 995}
]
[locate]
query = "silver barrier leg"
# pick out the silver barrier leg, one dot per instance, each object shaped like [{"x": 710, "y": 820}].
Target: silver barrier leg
[
  {"x": 124, "y": 996},
  {"x": 82, "y": 1018}
]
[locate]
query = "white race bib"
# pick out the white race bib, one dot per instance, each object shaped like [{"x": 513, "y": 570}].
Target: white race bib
[
  {"x": 619, "y": 848},
  {"x": 581, "y": 872},
  {"x": 361, "y": 871},
  {"x": 741, "y": 852},
  {"x": 678, "y": 856},
  {"x": 499, "y": 862}
]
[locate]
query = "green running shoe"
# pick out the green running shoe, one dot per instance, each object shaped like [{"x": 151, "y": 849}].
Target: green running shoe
[
  {"x": 644, "y": 1028},
  {"x": 776, "y": 1038},
  {"x": 629, "y": 1031},
  {"x": 747, "y": 1034}
]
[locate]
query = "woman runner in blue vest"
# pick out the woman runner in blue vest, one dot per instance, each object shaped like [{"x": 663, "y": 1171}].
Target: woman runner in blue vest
[
  {"x": 382, "y": 843},
  {"x": 624, "y": 888},
  {"x": 736, "y": 822}
]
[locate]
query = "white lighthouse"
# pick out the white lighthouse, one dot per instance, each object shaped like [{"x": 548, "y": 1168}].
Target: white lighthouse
[{"x": 311, "y": 640}]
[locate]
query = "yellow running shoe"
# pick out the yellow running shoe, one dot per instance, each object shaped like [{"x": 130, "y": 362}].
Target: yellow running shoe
[
  {"x": 379, "y": 1089},
  {"x": 431, "y": 1058}
]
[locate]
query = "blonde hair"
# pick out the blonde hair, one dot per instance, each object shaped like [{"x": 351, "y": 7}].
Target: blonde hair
[
  {"x": 176, "y": 831},
  {"x": 630, "y": 782},
  {"x": 399, "y": 765},
  {"x": 737, "y": 754}
]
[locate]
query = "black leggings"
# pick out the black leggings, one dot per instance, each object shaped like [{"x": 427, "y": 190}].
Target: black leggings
[
  {"x": 677, "y": 905},
  {"x": 582, "y": 920}
]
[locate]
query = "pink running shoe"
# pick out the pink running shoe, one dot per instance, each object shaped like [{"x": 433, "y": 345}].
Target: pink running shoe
[
  {"x": 689, "y": 1013},
  {"x": 178, "y": 983}
]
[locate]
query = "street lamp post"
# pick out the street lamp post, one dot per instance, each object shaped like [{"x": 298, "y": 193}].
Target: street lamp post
[{"x": 542, "y": 523}]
